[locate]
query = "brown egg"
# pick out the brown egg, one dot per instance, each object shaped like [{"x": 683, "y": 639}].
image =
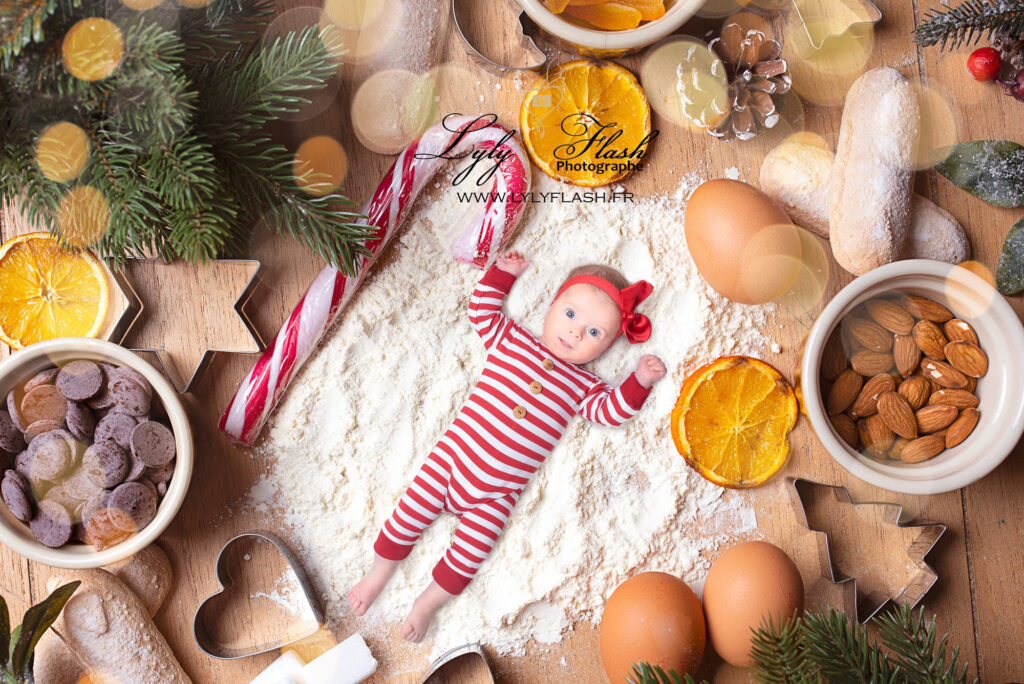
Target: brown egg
[
  {"x": 747, "y": 584},
  {"x": 652, "y": 617},
  {"x": 744, "y": 246}
]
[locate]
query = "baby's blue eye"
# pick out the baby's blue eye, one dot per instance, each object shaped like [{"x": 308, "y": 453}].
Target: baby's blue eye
[
  {"x": 570, "y": 313},
  {"x": 594, "y": 332}
]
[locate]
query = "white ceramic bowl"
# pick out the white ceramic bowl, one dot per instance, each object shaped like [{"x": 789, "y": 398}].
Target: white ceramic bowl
[
  {"x": 598, "y": 43},
  {"x": 22, "y": 365},
  {"x": 1001, "y": 400}
]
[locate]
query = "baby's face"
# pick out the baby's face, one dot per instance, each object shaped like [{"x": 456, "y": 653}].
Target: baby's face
[{"x": 580, "y": 324}]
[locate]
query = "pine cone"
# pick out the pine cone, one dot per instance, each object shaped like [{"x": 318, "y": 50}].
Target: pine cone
[
  {"x": 1010, "y": 47},
  {"x": 756, "y": 73}
]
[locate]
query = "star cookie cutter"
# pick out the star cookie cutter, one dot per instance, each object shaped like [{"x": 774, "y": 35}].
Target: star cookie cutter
[
  {"x": 527, "y": 32},
  {"x": 471, "y": 650},
  {"x": 867, "y": 9},
  {"x": 181, "y": 385},
  {"x": 928, "y": 537},
  {"x": 205, "y": 636}
]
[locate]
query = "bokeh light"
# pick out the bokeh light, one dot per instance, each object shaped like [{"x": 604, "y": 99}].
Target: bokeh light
[
  {"x": 62, "y": 151},
  {"x": 321, "y": 99},
  {"x": 937, "y": 125},
  {"x": 716, "y": 9},
  {"x": 805, "y": 296},
  {"x": 390, "y": 109},
  {"x": 141, "y": 5},
  {"x": 320, "y": 165},
  {"x": 92, "y": 49},
  {"x": 826, "y": 51},
  {"x": 366, "y": 27},
  {"x": 83, "y": 216},
  {"x": 965, "y": 296},
  {"x": 770, "y": 262},
  {"x": 685, "y": 82},
  {"x": 194, "y": 4}
]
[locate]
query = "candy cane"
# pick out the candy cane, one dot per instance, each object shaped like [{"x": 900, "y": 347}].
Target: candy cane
[{"x": 457, "y": 136}]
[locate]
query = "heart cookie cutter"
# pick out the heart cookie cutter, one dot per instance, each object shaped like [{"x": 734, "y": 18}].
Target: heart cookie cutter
[
  {"x": 455, "y": 654},
  {"x": 928, "y": 536},
  {"x": 203, "y": 635}
]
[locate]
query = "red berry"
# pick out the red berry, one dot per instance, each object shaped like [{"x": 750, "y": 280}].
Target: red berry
[{"x": 984, "y": 63}]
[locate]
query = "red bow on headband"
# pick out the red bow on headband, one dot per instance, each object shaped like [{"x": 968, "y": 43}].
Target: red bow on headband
[{"x": 635, "y": 326}]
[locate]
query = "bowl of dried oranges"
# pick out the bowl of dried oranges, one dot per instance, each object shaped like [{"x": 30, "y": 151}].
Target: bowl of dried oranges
[
  {"x": 911, "y": 377},
  {"x": 610, "y": 29}
]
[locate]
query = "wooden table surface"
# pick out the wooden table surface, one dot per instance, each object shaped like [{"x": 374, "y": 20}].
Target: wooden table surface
[{"x": 980, "y": 561}]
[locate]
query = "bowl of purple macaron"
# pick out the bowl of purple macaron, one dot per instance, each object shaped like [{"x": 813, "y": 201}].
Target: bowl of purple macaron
[{"x": 95, "y": 453}]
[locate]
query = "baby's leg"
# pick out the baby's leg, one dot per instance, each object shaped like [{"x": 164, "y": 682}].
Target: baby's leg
[
  {"x": 477, "y": 531},
  {"x": 418, "y": 507}
]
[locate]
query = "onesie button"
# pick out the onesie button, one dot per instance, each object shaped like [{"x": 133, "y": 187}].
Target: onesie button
[
  {"x": 519, "y": 412},
  {"x": 548, "y": 364},
  {"x": 536, "y": 387}
]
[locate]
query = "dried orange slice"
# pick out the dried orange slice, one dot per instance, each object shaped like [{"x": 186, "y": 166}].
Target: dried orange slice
[
  {"x": 732, "y": 420},
  {"x": 570, "y": 116},
  {"x": 47, "y": 291},
  {"x": 610, "y": 16}
]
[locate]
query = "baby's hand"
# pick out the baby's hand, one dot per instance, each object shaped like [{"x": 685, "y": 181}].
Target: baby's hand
[
  {"x": 512, "y": 262},
  {"x": 649, "y": 370}
]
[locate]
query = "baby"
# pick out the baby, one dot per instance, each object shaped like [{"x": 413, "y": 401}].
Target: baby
[{"x": 528, "y": 391}]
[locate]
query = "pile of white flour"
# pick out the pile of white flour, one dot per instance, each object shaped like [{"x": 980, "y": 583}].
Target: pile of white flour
[{"x": 371, "y": 403}]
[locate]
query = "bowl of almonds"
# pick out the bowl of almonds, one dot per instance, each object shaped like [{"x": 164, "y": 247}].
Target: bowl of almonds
[
  {"x": 911, "y": 377},
  {"x": 95, "y": 452}
]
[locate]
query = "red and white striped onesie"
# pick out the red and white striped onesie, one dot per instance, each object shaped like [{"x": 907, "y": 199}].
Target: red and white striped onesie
[{"x": 517, "y": 412}]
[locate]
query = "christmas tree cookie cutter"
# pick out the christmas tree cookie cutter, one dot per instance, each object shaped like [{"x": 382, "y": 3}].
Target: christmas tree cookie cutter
[
  {"x": 472, "y": 650},
  {"x": 870, "y": 604},
  {"x": 860, "y": 15}
]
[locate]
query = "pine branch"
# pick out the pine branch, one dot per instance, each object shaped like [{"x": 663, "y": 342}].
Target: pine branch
[
  {"x": 645, "y": 673},
  {"x": 222, "y": 26},
  {"x": 21, "y": 23},
  {"x": 971, "y": 21},
  {"x": 780, "y": 655},
  {"x": 917, "y": 650},
  {"x": 843, "y": 651}
]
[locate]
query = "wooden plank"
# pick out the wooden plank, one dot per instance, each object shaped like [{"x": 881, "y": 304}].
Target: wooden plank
[{"x": 213, "y": 511}]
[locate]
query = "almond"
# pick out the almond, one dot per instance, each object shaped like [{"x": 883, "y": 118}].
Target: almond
[
  {"x": 929, "y": 310},
  {"x": 968, "y": 358},
  {"x": 869, "y": 363},
  {"x": 916, "y": 390},
  {"x": 843, "y": 391},
  {"x": 896, "y": 451},
  {"x": 906, "y": 354},
  {"x": 897, "y": 414},
  {"x": 930, "y": 339},
  {"x": 943, "y": 375},
  {"x": 972, "y": 384},
  {"x": 958, "y": 330},
  {"x": 875, "y": 435},
  {"x": 866, "y": 403},
  {"x": 833, "y": 357},
  {"x": 960, "y": 428},
  {"x": 934, "y": 418},
  {"x": 960, "y": 399},
  {"x": 890, "y": 316},
  {"x": 846, "y": 429},
  {"x": 869, "y": 334},
  {"x": 922, "y": 448}
]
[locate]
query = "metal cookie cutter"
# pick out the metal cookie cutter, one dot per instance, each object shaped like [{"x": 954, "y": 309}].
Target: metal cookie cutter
[
  {"x": 182, "y": 385},
  {"x": 203, "y": 635},
  {"x": 867, "y": 9},
  {"x": 527, "y": 32},
  {"x": 929, "y": 535},
  {"x": 472, "y": 650}
]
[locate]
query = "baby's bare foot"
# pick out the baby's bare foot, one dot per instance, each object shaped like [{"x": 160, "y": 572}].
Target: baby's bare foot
[
  {"x": 366, "y": 591},
  {"x": 417, "y": 622}
]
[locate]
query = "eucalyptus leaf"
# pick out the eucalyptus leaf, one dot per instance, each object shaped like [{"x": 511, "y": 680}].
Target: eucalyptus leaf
[
  {"x": 990, "y": 169},
  {"x": 1010, "y": 272},
  {"x": 5, "y": 630},
  {"x": 37, "y": 620}
]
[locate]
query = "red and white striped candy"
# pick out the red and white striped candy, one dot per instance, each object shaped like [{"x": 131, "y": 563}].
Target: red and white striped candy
[{"x": 485, "y": 234}]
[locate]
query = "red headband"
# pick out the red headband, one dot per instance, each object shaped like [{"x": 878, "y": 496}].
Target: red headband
[{"x": 635, "y": 326}]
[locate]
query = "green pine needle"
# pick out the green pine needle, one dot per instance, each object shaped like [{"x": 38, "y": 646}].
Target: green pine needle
[
  {"x": 780, "y": 654},
  {"x": 917, "y": 649},
  {"x": 645, "y": 673},
  {"x": 971, "y": 21}
]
